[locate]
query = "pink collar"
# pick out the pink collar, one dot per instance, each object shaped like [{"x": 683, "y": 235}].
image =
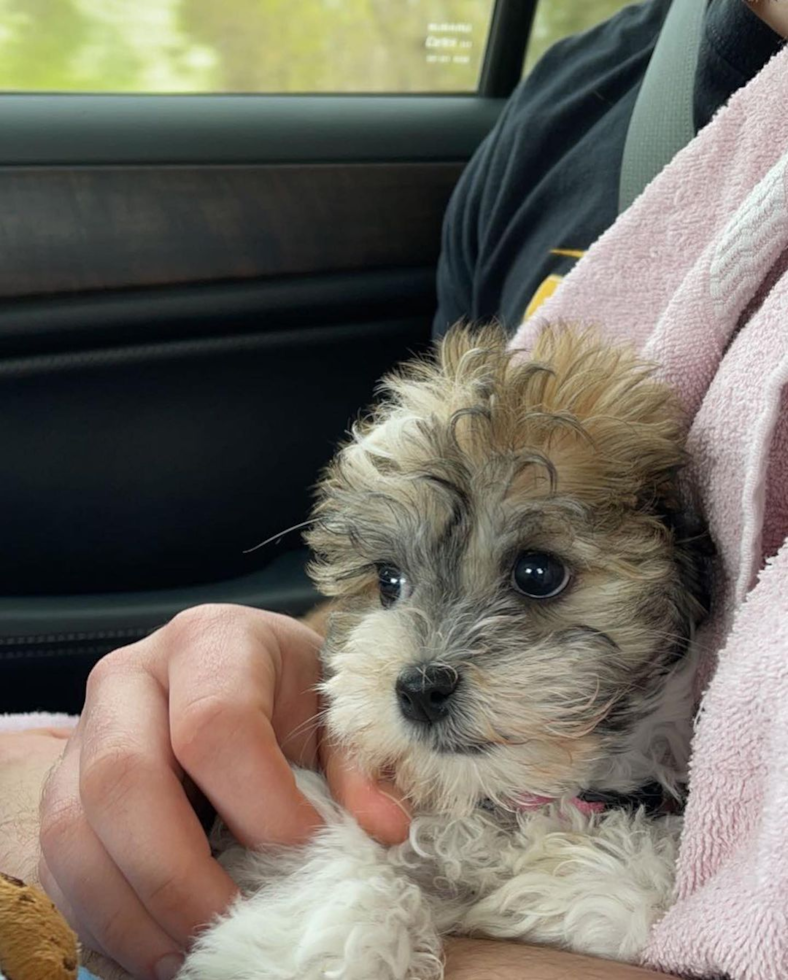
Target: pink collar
[{"x": 526, "y": 802}]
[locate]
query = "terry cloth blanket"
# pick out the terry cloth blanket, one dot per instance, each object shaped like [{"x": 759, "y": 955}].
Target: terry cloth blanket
[
  {"x": 694, "y": 274},
  {"x": 35, "y": 719}
]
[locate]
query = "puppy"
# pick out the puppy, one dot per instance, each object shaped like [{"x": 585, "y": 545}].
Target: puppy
[{"x": 516, "y": 587}]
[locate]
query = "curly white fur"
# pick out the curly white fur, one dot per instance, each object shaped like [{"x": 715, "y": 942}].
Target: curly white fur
[{"x": 346, "y": 908}]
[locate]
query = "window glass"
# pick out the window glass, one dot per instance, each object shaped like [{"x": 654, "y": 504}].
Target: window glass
[
  {"x": 558, "y": 18},
  {"x": 243, "y": 45}
]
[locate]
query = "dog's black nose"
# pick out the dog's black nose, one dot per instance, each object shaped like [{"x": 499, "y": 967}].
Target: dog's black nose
[{"x": 424, "y": 692}]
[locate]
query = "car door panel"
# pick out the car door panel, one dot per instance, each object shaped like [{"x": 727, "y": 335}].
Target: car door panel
[
  {"x": 82, "y": 229},
  {"x": 184, "y": 341}
]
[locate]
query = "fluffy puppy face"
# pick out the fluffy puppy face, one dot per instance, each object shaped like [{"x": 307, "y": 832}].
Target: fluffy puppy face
[{"x": 512, "y": 593}]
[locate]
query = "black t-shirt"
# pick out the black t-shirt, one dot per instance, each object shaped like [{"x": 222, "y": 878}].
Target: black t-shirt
[{"x": 545, "y": 180}]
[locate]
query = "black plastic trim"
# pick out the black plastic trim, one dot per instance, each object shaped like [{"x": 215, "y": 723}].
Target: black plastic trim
[
  {"x": 48, "y": 644},
  {"x": 200, "y": 347},
  {"x": 57, "y": 623},
  {"x": 508, "y": 39},
  {"x": 60, "y": 129},
  {"x": 68, "y": 323}
]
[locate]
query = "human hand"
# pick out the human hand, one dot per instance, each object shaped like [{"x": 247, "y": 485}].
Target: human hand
[
  {"x": 223, "y": 695},
  {"x": 25, "y": 759}
]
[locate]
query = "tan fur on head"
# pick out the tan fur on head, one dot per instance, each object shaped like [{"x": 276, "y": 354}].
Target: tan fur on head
[
  {"x": 593, "y": 410},
  {"x": 472, "y": 459}
]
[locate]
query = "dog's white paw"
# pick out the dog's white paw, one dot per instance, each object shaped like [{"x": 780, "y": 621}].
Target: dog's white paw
[
  {"x": 344, "y": 915},
  {"x": 341, "y": 941}
]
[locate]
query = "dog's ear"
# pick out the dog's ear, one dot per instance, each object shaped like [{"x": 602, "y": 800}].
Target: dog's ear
[
  {"x": 694, "y": 554},
  {"x": 636, "y": 432}
]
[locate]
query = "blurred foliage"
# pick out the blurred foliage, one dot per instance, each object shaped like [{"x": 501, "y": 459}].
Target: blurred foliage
[{"x": 260, "y": 45}]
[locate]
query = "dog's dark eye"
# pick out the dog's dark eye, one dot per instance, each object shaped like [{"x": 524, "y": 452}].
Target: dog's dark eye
[
  {"x": 539, "y": 575},
  {"x": 392, "y": 583}
]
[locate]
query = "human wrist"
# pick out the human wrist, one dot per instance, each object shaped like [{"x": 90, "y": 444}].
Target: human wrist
[{"x": 481, "y": 959}]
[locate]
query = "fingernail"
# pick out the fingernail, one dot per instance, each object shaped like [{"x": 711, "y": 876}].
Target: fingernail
[{"x": 168, "y": 966}]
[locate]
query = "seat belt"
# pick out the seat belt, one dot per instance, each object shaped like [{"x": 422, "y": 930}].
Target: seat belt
[{"x": 663, "y": 121}]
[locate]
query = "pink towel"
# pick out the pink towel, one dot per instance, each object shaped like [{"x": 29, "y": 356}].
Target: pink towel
[{"x": 694, "y": 274}]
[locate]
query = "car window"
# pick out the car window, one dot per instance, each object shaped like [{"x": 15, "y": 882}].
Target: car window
[
  {"x": 263, "y": 46},
  {"x": 234, "y": 46}
]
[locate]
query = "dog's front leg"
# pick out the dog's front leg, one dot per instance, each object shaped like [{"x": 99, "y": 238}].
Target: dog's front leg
[
  {"x": 335, "y": 908},
  {"x": 590, "y": 885}
]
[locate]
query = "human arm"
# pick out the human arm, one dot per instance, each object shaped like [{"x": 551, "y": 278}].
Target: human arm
[
  {"x": 24, "y": 761},
  {"x": 480, "y": 959}
]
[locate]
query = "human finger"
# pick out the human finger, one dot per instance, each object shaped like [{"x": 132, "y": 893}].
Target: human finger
[
  {"x": 241, "y": 695},
  {"x": 89, "y": 889},
  {"x": 377, "y": 805},
  {"x": 130, "y": 790}
]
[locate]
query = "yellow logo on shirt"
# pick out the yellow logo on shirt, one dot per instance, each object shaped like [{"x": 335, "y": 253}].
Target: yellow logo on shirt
[
  {"x": 544, "y": 291},
  {"x": 549, "y": 285}
]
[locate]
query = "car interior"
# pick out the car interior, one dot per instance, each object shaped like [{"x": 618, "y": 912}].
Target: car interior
[{"x": 198, "y": 293}]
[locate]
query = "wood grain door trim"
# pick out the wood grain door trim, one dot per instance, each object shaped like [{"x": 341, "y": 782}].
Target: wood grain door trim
[{"x": 81, "y": 229}]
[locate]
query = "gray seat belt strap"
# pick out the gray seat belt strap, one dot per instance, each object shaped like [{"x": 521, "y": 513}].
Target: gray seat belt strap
[{"x": 663, "y": 122}]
